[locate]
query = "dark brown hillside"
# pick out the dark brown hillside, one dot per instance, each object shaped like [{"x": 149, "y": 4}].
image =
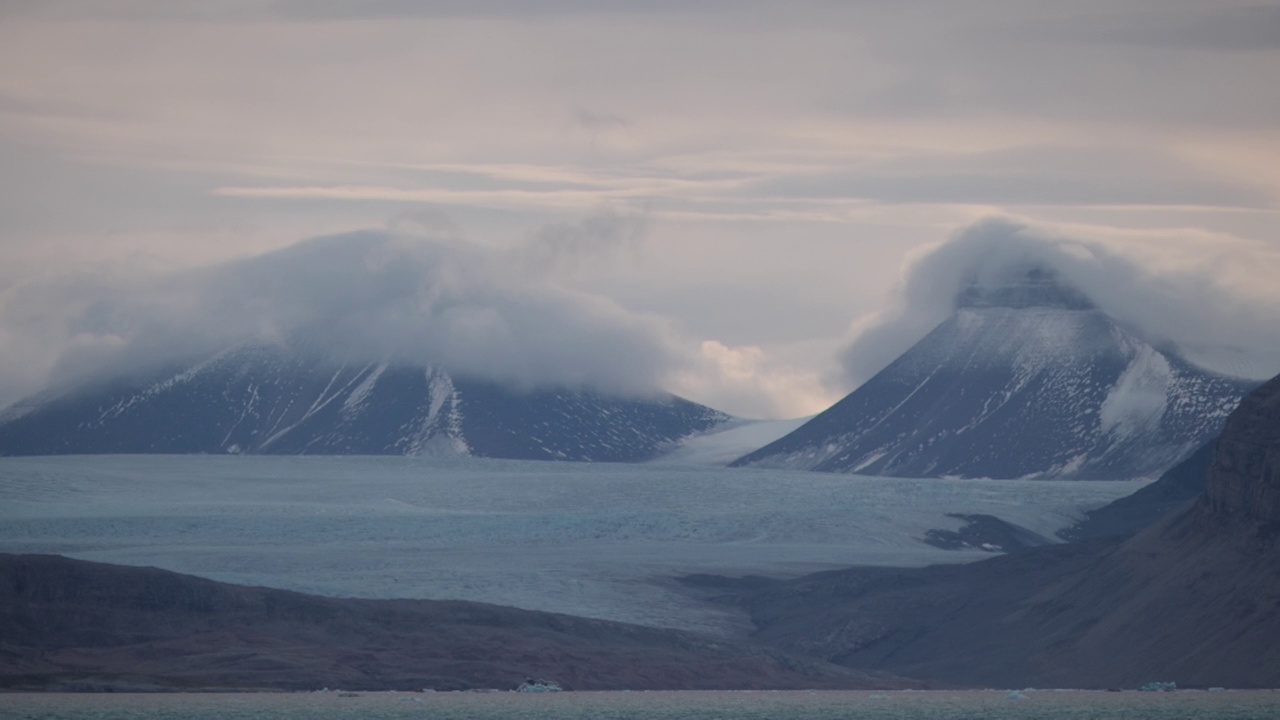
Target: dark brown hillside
[{"x": 69, "y": 624}]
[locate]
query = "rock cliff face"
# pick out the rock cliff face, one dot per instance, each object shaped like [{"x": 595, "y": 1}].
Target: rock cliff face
[
  {"x": 1244, "y": 479},
  {"x": 1194, "y": 598}
]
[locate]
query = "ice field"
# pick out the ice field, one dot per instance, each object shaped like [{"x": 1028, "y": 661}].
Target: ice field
[{"x": 591, "y": 539}]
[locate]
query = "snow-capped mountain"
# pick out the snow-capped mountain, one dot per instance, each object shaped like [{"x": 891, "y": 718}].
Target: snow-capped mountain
[
  {"x": 1026, "y": 379},
  {"x": 261, "y": 399}
]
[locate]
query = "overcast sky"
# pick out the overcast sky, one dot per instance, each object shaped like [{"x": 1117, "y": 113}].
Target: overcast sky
[{"x": 717, "y": 197}]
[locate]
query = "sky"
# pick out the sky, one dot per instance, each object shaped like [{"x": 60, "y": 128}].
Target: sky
[{"x": 755, "y": 205}]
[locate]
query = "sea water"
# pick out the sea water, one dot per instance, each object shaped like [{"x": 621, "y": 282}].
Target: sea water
[{"x": 787, "y": 705}]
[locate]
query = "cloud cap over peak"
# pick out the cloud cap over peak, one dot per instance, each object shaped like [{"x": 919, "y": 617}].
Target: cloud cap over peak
[
  {"x": 370, "y": 296},
  {"x": 1189, "y": 304}
]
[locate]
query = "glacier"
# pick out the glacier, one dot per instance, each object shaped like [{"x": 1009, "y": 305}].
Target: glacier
[
  {"x": 601, "y": 540},
  {"x": 724, "y": 443}
]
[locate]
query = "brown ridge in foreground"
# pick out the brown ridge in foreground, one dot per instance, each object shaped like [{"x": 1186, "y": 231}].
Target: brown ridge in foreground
[
  {"x": 74, "y": 625},
  {"x": 1193, "y": 599}
]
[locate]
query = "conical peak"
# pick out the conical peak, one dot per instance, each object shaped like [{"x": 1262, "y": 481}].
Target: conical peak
[{"x": 1024, "y": 287}]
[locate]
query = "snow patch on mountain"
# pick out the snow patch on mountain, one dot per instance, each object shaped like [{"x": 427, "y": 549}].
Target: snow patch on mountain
[
  {"x": 122, "y": 406},
  {"x": 440, "y": 430},
  {"x": 269, "y": 399},
  {"x": 1139, "y": 399},
  {"x": 357, "y": 400}
]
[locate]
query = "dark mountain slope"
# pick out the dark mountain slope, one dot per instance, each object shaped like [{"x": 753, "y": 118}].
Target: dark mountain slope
[
  {"x": 69, "y": 624},
  {"x": 1178, "y": 486},
  {"x": 1193, "y": 599},
  {"x": 1027, "y": 379},
  {"x": 269, "y": 400}
]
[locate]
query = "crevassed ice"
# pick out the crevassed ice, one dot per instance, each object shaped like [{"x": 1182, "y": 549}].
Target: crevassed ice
[{"x": 595, "y": 539}]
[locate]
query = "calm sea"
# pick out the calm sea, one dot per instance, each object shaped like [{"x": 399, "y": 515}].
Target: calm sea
[{"x": 796, "y": 705}]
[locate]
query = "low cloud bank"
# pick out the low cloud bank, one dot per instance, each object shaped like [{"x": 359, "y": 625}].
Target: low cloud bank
[
  {"x": 1207, "y": 298},
  {"x": 420, "y": 293},
  {"x": 364, "y": 296}
]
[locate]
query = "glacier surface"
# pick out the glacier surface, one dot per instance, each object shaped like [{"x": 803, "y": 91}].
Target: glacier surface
[
  {"x": 594, "y": 539},
  {"x": 727, "y": 442}
]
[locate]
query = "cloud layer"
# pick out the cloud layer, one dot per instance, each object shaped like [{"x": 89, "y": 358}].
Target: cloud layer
[
  {"x": 499, "y": 313},
  {"x": 365, "y": 296},
  {"x": 769, "y": 164}
]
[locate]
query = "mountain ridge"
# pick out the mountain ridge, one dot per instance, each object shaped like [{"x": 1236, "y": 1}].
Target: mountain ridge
[
  {"x": 1023, "y": 380},
  {"x": 266, "y": 399}
]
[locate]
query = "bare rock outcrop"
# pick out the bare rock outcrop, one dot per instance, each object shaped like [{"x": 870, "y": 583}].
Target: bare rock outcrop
[{"x": 1244, "y": 479}]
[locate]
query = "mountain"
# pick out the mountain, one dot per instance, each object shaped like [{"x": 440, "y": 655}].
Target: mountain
[
  {"x": 1027, "y": 378},
  {"x": 76, "y": 625},
  {"x": 261, "y": 399},
  {"x": 1192, "y": 599},
  {"x": 1178, "y": 486}
]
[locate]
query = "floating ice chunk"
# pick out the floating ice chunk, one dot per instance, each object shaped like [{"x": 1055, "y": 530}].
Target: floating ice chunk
[{"x": 1159, "y": 687}]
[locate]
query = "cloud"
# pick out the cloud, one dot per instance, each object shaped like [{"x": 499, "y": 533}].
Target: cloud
[
  {"x": 595, "y": 122},
  {"x": 776, "y": 202},
  {"x": 1247, "y": 28},
  {"x": 1198, "y": 293},
  {"x": 569, "y": 246},
  {"x": 418, "y": 292},
  {"x": 366, "y": 296},
  {"x": 750, "y": 381},
  {"x": 1092, "y": 174},
  {"x": 345, "y": 9},
  {"x": 501, "y": 199}
]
